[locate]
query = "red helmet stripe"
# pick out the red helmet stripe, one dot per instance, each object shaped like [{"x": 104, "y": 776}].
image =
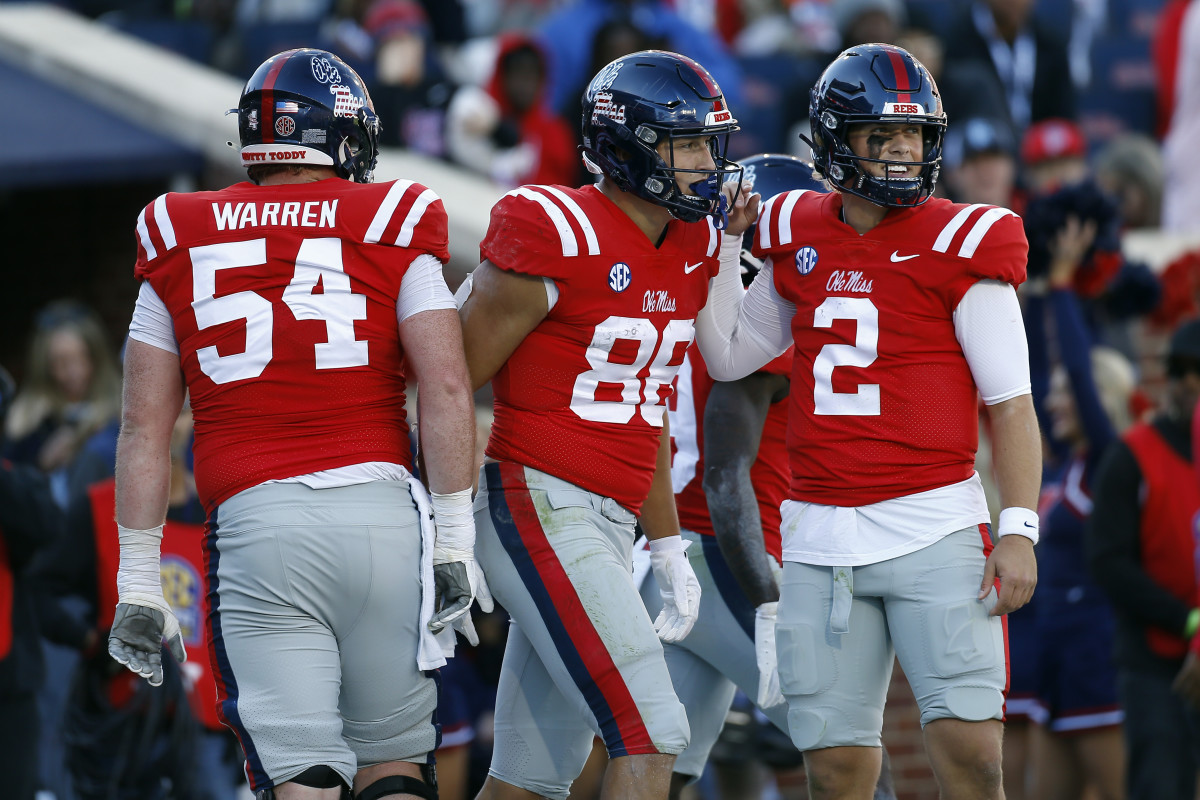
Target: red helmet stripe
[
  {"x": 710, "y": 84},
  {"x": 903, "y": 83},
  {"x": 268, "y": 100}
]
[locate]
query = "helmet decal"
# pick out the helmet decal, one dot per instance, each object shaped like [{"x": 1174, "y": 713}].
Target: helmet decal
[{"x": 324, "y": 71}]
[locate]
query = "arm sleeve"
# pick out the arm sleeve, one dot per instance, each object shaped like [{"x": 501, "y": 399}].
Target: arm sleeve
[
  {"x": 151, "y": 323},
  {"x": 987, "y": 323},
  {"x": 423, "y": 288},
  {"x": 738, "y": 331}
]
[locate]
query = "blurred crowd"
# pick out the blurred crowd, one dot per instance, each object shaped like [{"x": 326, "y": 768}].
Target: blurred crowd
[{"x": 1037, "y": 123}]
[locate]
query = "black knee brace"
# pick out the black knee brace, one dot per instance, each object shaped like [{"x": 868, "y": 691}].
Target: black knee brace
[
  {"x": 318, "y": 777},
  {"x": 403, "y": 784}
]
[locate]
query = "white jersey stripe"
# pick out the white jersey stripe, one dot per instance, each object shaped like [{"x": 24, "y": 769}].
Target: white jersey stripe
[
  {"x": 404, "y": 238},
  {"x": 144, "y": 235},
  {"x": 384, "y": 215},
  {"x": 989, "y": 218},
  {"x": 944, "y": 238},
  {"x": 714, "y": 237},
  {"x": 764, "y": 223},
  {"x": 163, "y": 220},
  {"x": 570, "y": 243},
  {"x": 589, "y": 233},
  {"x": 785, "y": 215}
]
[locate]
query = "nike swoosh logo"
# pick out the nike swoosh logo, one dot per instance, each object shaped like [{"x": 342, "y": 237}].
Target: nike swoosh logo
[
  {"x": 688, "y": 269},
  {"x": 1029, "y": 525},
  {"x": 897, "y": 257}
]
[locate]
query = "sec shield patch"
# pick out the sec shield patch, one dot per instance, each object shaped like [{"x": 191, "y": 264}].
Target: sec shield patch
[
  {"x": 806, "y": 259},
  {"x": 619, "y": 277}
]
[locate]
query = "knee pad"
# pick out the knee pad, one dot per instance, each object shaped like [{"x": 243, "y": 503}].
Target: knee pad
[
  {"x": 320, "y": 776},
  {"x": 403, "y": 784}
]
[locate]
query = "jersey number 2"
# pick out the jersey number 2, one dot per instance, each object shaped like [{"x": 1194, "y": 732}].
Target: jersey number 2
[
  {"x": 317, "y": 260},
  {"x": 865, "y": 400}
]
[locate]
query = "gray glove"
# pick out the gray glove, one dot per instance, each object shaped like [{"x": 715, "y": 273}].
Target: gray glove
[
  {"x": 455, "y": 585},
  {"x": 136, "y": 640}
]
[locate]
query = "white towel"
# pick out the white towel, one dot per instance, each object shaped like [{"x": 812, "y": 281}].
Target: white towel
[{"x": 432, "y": 649}]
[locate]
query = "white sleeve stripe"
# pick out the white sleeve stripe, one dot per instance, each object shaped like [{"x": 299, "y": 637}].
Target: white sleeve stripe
[
  {"x": 982, "y": 225},
  {"x": 785, "y": 215},
  {"x": 384, "y": 215},
  {"x": 144, "y": 236},
  {"x": 404, "y": 239},
  {"x": 570, "y": 243},
  {"x": 163, "y": 220},
  {"x": 589, "y": 233},
  {"x": 764, "y": 220},
  {"x": 944, "y": 238},
  {"x": 714, "y": 237}
]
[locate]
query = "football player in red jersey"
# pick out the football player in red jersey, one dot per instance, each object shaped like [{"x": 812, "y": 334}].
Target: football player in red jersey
[
  {"x": 730, "y": 474},
  {"x": 903, "y": 311},
  {"x": 291, "y": 309},
  {"x": 580, "y": 315}
]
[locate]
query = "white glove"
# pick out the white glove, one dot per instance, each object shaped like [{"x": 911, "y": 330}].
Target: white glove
[
  {"x": 457, "y": 578},
  {"x": 678, "y": 586},
  {"x": 143, "y": 618},
  {"x": 769, "y": 693}
]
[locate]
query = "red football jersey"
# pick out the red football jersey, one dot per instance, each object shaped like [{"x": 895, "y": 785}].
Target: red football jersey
[
  {"x": 883, "y": 402},
  {"x": 768, "y": 474},
  {"x": 283, "y": 300},
  {"x": 583, "y": 396}
]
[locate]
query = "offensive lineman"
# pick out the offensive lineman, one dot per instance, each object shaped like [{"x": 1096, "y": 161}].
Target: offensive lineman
[
  {"x": 285, "y": 307},
  {"x": 902, "y": 310}
]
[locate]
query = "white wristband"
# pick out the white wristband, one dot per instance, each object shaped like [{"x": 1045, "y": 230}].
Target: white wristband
[
  {"x": 455, "y": 522},
  {"x": 667, "y": 543},
  {"x": 1019, "y": 521},
  {"x": 140, "y": 572}
]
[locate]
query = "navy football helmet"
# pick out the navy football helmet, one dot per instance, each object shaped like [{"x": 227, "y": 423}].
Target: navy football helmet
[
  {"x": 307, "y": 107},
  {"x": 770, "y": 174},
  {"x": 876, "y": 83},
  {"x": 643, "y": 99}
]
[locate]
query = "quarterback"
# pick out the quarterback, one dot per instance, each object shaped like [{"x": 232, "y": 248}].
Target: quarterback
[{"x": 903, "y": 312}]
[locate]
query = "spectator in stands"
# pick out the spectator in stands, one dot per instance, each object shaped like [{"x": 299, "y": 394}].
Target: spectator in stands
[
  {"x": 71, "y": 390},
  {"x": 1140, "y": 547},
  {"x": 411, "y": 91},
  {"x": 1027, "y": 62},
  {"x": 506, "y": 131},
  {"x": 1130, "y": 168},
  {"x": 615, "y": 38},
  {"x": 565, "y": 35},
  {"x": 1181, "y": 195},
  {"x": 979, "y": 162},
  {"x": 29, "y": 522},
  {"x": 1058, "y": 177},
  {"x": 124, "y": 738},
  {"x": 863, "y": 21},
  {"x": 1083, "y": 405}
]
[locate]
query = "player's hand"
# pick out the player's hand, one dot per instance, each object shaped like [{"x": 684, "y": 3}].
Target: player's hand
[
  {"x": 1012, "y": 562},
  {"x": 137, "y": 634},
  {"x": 1187, "y": 682},
  {"x": 743, "y": 207},
  {"x": 456, "y": 584},
  {"x": 678, "y": 586},
  {"x": 769, "y": 693}
]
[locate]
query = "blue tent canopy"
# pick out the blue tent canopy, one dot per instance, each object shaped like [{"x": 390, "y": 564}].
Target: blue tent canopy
[{"x": 54, "y": 137}]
